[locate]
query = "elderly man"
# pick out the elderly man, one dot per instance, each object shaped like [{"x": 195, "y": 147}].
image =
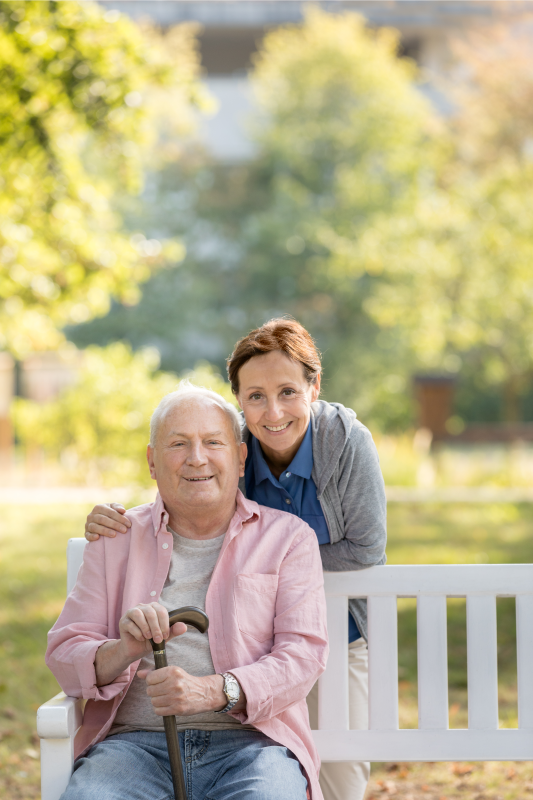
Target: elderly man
[{"x": 239, "y": 695}]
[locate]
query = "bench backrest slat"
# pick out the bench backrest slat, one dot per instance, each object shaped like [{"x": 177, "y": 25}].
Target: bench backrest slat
[
  {"x": 524, "y": 660},
  {"x": 432, "y": 642},
  {"x": 482, "y": 662},
  {"x": 382, "y": 663}
]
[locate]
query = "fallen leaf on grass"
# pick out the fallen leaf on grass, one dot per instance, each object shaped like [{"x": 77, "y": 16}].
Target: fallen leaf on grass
[
  {"x": 403, "y": 773},
  {"x": 425, "y": 788},
  {"x": 454, "y": 709},
  {"x": 387, "y": 786},
  {"x": 461, "y": 769},
  {"x": 31, "y": 752},
  {"x": 511, "y": 772},
  {"x": 528, "y": 786},
  {"x": 10, "y": 713}
]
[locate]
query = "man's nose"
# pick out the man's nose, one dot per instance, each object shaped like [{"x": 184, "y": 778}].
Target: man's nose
[{"x": 196, "y": 456}]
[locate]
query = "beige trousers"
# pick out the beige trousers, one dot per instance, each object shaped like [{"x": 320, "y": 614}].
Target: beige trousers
[{"x": 347, "y": 780}]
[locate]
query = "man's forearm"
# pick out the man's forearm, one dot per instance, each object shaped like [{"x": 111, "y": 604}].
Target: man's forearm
[{"x": 109, "y": 662}]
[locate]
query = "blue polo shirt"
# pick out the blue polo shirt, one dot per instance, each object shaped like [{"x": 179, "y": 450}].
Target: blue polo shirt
[{"x": 294, "y": 491}]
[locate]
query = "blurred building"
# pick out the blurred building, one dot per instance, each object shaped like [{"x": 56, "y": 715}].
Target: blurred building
[{"x": 232, "y": 29}]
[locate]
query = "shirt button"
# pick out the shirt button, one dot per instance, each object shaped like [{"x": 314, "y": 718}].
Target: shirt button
[
  {"x": 152, "y": 594},
  {"x": 165, "y": 546},
  {"x": 288, "y": 475},
  {"x": 287, "y": 501}
]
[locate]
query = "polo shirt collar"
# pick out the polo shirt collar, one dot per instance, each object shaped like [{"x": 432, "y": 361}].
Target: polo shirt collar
[{"x": 301, "y": 464}]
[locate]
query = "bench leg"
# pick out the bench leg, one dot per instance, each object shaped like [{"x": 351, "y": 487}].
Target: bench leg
[{"x": 57, "y": 761}]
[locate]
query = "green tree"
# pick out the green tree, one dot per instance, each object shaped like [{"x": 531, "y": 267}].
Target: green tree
[
  {"x": 343, "y": 136},
  {"x": 74, "y": 121},
  {"x": 98, "y": 427},
  {"x": 458, "y": 278}
]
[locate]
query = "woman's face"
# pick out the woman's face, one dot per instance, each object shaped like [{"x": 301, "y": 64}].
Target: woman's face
[{"x": 276, "y": 400}]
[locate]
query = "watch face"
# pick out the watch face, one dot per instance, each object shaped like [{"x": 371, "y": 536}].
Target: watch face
[{"x": 232, "y": 689}]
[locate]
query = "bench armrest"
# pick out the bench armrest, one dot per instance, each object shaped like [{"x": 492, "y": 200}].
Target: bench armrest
[{"x": 60, "y": 717}]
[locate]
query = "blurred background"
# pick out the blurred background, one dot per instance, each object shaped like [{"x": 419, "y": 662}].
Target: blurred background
[{"x": 174, "y": 174}]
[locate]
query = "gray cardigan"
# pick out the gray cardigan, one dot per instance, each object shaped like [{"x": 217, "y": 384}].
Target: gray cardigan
[{"x": 350, "y": 490}]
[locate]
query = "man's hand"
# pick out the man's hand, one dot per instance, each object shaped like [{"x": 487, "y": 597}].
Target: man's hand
[
  {"x": 174, "y": 691},
  {"x": 138, "y": 625},
  {"x": 146, "y": 621}
]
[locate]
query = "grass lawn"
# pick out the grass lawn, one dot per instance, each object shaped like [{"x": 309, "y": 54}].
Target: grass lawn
[{"x": 32, "y": 591}]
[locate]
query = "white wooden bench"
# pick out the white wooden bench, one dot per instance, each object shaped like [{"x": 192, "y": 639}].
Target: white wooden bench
[{"x": 59, "y": 719}]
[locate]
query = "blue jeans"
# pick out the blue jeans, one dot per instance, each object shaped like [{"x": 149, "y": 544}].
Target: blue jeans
[{"x": 218, "y": 765}]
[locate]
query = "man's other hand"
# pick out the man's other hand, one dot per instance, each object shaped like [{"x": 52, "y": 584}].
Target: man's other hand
[{"x": 174, "y": 691}]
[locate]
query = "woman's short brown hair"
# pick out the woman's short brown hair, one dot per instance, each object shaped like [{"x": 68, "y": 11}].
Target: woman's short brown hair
[{"x": 286, "y": 335}]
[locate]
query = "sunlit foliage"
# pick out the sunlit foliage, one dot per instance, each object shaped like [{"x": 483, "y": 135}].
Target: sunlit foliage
[
  {"x": 74, "y": 79},
  {"x": 99, "y": 427}
]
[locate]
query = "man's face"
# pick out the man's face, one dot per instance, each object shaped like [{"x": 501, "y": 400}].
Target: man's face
[{"x": 196, "y": 460}]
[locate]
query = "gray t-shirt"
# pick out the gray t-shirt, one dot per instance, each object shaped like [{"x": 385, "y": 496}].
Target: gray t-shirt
[{"x": 191, "y": 566}]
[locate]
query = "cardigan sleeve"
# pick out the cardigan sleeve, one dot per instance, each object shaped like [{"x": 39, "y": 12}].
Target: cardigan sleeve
[{"x": 359, "y": 500}]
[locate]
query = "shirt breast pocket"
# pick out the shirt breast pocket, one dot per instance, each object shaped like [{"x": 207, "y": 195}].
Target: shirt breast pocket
[{"x": 255, "y": 604}]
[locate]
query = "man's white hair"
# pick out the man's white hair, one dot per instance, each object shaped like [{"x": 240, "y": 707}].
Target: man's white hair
[{"x": 188, "y": 389}]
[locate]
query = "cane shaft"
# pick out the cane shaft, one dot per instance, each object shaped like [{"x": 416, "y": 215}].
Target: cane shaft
[
  {"x": 173, "y": 745},
  {"x": 190, "y": 615}
]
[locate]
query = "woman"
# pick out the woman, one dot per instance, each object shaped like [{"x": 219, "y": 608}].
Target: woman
[{"x": 315, "y": 460}]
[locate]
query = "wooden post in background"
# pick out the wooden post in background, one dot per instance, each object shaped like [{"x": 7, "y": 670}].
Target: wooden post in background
[{"x": 434, "y": 394}]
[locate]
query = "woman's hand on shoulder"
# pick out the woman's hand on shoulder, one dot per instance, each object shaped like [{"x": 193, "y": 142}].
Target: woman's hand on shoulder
[{"x": 106, "y": 520}]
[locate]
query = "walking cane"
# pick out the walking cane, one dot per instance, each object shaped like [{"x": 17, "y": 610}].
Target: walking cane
[{"x": 190, "y": 615}]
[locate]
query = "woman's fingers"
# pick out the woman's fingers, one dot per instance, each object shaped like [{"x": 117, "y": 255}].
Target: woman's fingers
[
  {"x": 118, "y": 507},
  {"x": 106, "y": 520}
]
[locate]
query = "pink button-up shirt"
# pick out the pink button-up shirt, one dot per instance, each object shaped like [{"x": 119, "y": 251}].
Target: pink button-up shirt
[{"x": 265, "y": 604}]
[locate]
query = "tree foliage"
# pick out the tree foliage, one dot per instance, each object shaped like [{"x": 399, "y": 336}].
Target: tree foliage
[
  {"x": 402, "y": 241},
  {"x": 74, "y": 80},
  {"x": 457, "y": 272},
  {"x": 99, "y": 427},
  {"x": 343, "y": 137}
]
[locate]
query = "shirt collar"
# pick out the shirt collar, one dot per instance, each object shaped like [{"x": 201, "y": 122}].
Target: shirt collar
[
  {"x": 159, "y": 515},
  {"x": 246, "y": 511},
  {"x": 301, "y": 464}
]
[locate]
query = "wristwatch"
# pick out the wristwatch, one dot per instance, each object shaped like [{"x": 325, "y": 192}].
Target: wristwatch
[{"x": 232, "y": 690}]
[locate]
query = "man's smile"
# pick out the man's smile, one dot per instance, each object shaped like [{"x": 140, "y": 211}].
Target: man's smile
[{"x": 194, "y": 480}]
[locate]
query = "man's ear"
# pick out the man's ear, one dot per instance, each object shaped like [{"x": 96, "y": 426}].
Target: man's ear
[
  {"x": 150, "y": 459},
  {"x": 243, "y": 452}
]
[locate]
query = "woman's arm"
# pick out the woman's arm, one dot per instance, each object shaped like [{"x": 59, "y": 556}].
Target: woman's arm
[
  {"x": 106, "y": 520},
  {"x": 363, "y": 507}
]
